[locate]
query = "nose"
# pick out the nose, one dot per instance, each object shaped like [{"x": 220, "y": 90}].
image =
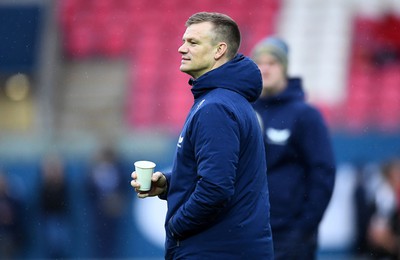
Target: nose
[{"x": 182, "y": 49}]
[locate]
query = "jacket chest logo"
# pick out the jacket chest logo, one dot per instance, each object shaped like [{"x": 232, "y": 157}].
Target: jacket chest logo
[{"x": 277, "y": 136}]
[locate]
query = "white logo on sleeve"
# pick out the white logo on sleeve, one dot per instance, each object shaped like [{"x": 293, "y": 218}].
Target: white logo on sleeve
[
  {"x": 199, "y": 105},
  {"x": 278, "y": 136},
  {"x": 180, "y": 140}
]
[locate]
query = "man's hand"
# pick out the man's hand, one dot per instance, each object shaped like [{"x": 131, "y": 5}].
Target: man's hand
[{"x": 158, "y": 185}]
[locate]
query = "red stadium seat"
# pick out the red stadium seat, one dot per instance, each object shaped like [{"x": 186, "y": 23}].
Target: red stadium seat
[
  {"x": 151, "y": 35},
  {"x": 388, "y": 99},
  {"x": 81, "y": 42}
]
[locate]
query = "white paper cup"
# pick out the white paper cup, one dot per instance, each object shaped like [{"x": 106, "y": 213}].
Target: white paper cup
[{"x": 144, "y": 171}]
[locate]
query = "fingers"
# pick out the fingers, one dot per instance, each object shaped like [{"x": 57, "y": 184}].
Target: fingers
[
  {"x": 142, "y": 195},
  {"x": 156, "y": 176},
  {"x": 158, "y": 185},
  {"x": 134, "y": 184}
]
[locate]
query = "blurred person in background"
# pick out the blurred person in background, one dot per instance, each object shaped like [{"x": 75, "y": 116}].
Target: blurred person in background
[
  {"x": 12, "y": 232},
  {"x": 107, "y": 199},
  {"x": 300, "y": 161},
  {"x": 217, "y": 192},
  {"x": 384, "y": 228},
  {"x": 55, "y": 207},
  {"x": 367, "y": 181}
]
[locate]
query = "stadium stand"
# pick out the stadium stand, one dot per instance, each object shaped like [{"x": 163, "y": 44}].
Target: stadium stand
[
  {"x": 373, "y": 92},
  {"x": 157, "y": 93}
]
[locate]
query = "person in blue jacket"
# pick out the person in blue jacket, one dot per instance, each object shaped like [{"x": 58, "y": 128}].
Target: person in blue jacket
[
  {"x": 217, "y": 192},
  {"x": 300, "y": 161}
]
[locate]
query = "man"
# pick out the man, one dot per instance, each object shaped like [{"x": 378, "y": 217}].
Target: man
[
  {"x": 300, "y": 161},
  {"x": 217, "y": 192}
]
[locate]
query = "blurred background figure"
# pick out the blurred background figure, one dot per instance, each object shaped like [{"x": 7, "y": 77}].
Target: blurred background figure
[
  {"x": 107, "y": 201},
  {"x": 384, "y": 228},
  {"x": 12, "y": 233},
  {"x": 55, "y": 208},
  {"x": 300, "y": 162},
  {"x": 367, "y": 178}
]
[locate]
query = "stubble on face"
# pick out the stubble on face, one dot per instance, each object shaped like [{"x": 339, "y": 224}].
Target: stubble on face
[{"x": 197, "y": 49}]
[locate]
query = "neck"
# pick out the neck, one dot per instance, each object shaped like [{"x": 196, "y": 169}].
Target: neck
[
  {"x": 274, "y": 90},
  {"x": 218, "y": 63}
]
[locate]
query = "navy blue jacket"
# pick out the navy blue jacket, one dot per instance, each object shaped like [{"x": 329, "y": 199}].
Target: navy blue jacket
[
  {"x": 301, "y": 167},
  {"x": 218, "y": 205}
]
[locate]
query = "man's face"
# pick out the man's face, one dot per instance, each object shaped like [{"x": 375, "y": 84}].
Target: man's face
[
  {"x": 272, "y": 72},
  {"x": 198, "y": 49}
]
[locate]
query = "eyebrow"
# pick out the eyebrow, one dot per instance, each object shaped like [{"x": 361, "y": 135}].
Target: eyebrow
[{"x": 190, "y": 39}]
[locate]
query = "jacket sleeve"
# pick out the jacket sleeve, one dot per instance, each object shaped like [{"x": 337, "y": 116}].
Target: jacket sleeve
[
  {"x": 316, "y": 151},
  {"x": 215, "y": 137},
  {"x": 164, "y": 196}
]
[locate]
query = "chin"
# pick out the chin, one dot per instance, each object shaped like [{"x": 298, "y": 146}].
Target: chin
[{"x": 185, "y": 70}]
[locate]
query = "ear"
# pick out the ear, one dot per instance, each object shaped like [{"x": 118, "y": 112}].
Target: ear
[{"x": 221, "y": 50}]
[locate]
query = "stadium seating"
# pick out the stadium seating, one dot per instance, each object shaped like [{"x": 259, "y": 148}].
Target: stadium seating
[
  {"x": 149, "y": 37},
  {"x": 373, "y": 96},
  {"x": 387, "y": 92}
]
